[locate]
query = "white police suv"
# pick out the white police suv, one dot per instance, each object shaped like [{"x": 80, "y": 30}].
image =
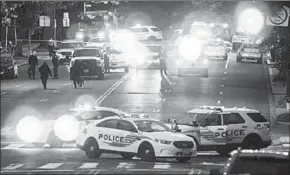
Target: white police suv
[
  {"x": 224, "y": 129},
  {"x": 135, "y": 136}
]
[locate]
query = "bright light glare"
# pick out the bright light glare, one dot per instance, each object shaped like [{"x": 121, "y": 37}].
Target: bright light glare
[
  {"x": 101, "y": 34},
  {"x": 66, "y": 128},
  {"x": 29, "y": 129},
  {"x": 85, "y": 101},
  {"x": 251, "y": 20},
  {"x": 189, "y": 48},
  {"x": 79, "y": 35}
]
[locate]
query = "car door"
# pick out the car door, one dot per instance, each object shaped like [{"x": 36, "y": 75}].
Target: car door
[
  {"x": 129, "y": 136},
  {"x": 212, "y": 130},
  {"x": 236, "y": 127},
  {"x": 105, "y": 133}
]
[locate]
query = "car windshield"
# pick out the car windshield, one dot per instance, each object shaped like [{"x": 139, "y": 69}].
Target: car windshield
[
  {"x": 86, "y": 53},
  {"x": 154, "y": 48},
  {"x": 70, "y": 45},
  {"x": 251, "y": 46},
  {"x": 137, "y": 30},
  {"x": 97, "y": 40},
  {"x": 188, "y": 118},
  {"x": 255, "y": 165},
  {"x": 151, "y": 126}
]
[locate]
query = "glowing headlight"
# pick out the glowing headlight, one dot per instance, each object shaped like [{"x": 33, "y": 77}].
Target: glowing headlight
[
  {"x": 166, "y": 142},
  {"x": 66, "y": 128},
  {"x": 205, "y": 61},
  {"x": 251, "y": 20},
  {"x": 189, "y": 48},
  {"x": 29, "y": 129},
  {"x": 80, "y": 35}
]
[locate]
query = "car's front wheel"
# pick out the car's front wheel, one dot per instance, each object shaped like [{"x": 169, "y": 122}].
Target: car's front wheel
[
  {"x": 92, "y": 149},
  {"x": 146, "y": 152}
]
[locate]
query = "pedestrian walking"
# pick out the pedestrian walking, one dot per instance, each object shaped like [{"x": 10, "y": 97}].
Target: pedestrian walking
[
  {"x": 55, "y": 65},
  {"x": 107, "y": 62},
  {"x": 11, "y": 48},
  {"x": 44, "y": 71},
  {"x": 76, "y": 73},
  {"x": 162, "y": 61},
  {"x": 50, "y": 47},
  {"x": 33, "y": 63}
]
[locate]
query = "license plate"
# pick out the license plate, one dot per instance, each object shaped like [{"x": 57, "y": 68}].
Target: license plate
[
  {"x": 185, "y": 151},
  {"x": 86, "y": 70}
]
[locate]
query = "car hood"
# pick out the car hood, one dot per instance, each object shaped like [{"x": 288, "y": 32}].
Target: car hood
[
  {"x": 64, "y": 50},
  {"x": 166, "y": 135},
  {"x": 214, "y": 49},
  {"x": 95, "y": 44}
]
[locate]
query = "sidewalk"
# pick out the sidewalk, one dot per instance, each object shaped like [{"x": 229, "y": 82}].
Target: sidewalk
[{"x": 281, "y": 124}]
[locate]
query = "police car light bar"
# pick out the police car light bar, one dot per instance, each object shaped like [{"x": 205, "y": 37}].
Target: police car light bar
[{"x": 219, "y": 108}]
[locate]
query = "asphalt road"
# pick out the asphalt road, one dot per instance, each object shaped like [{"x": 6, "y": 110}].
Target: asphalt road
[{"x": 229, "y": 84}]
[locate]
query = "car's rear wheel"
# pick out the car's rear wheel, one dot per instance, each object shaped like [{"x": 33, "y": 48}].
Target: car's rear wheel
[
  {"x": 259, "y": 61},
  {"x": 183, "y": 159},
  {"x": 54, "y": 141},
  {"x": 146, "y": 152},
  {"x": 126, "y": 69},
  {"x": 127, "y": 155},
  {"x": 92, "y": 149},
  {"x": 252, "y": 142}
]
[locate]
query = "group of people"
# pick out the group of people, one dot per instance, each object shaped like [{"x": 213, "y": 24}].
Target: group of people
[{"x": 45, "y": 72}]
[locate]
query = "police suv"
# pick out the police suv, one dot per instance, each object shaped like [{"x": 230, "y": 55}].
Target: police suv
[
  {"x": 225, "y": 129},
  {"x": 135, "y": 136}
]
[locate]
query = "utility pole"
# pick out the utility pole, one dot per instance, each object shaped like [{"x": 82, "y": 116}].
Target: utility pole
[
  {"x": 288, "y": 87},
  {"x": 54, "y": 23}
]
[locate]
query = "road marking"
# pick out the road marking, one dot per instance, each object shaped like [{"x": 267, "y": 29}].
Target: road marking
[
  {"x": 211, "y": 163},
  {"x": 227, "y": 63},
  {"x": 88, "y": 165},
  {"x": 161, "y": 166},
  {"x": 57, "y": 90},
  {"x": 225, "y": 72},
  {"x": 163, "y": 99},
  {"x": 13, "y": 166},
  {"x": 5, "y": 128},
  {"x": 224, "y": 78},
  {"x": 219, "y": 102},
  {"x": 14, "y": 146},
  {"x": 3, "y": 93},
  {"x": 154, "y": 110},
  {"x": 223, "y": 86},
  {"x": 221, "y": 93},
  {"x": 125, "y": 165},
  {"x": 50, "y": 166},
  {"x": 18, "y": 85},
  {"x": 158, "y": 110},
  {"x": 43, "y": 100},
  {"x": 111, "y": 89},
  {"x": 194, "y": 171}
]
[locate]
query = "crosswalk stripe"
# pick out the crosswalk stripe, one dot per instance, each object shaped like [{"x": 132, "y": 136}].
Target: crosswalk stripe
[
  {"x": 162, "y": 166},
  {"x": 13, "y": 146},
  {"x": 50, "y": 166},
  {"x": 88, "y": 165},
  {"x": 13, "y": 166},
  {"x": 125, "y": 165}
]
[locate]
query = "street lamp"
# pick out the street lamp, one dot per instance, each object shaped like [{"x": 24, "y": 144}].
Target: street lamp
[{"x": 251, "y": 20}]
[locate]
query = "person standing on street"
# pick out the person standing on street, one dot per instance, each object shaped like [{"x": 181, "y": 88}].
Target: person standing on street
[
  {"x": 55, "y": 65},
  {"x": 107, "y": 63},
  {"x": 33, "y": 62},
  {"x": 162, "y": 61},
  {"x": 76, "y": 73},
  {"x": 50, "y": 47},
  {"x": 44, "y": 71}
]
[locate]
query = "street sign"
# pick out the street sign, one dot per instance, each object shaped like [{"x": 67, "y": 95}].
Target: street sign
[
  {"x": 44, "y": 21},
  {"x": 280, "y": 18},
  {"x": 288, "y": 99},
  {"x": 65, "y": 15},
  {"x": 66, "y": 22}
]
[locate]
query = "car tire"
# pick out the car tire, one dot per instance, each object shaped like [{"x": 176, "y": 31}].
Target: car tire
[
  {"x": 54, "y": 141},
  {"x": 146, "y": 152},
  {"x": 223, "y": 151},
  {"x": 127, "y": 155},
  {"x": 259, "y": 61},
  {"x": 183, "y": 159},
  {"x": 126, "y": 69},
  {"x": 252, "y": 142},
  {"x": 92, "y": 149},
  {"x": 152, "y": 38}
]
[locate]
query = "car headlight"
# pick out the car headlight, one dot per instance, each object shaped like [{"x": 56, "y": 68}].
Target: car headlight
[
  {"x": 67, "y": 128},
  {"x": 29, "y": 129},
  {"x": 166, "y": 142}
]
